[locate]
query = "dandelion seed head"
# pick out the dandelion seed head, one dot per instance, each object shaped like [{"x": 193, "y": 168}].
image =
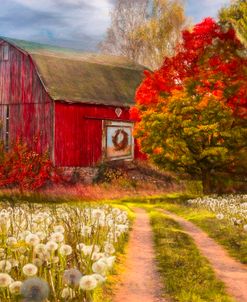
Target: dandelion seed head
[
  {"x": 88, "y": 282},
  {"x": 72, "y": 277},
  {"x": 40, "y": 248},
  {"x": 99, "y": 267},
  {"x": 109, "y": 248},
  {"x": 59, "y": 229},
  {"x": 51, "y": 246},
  {"x": 100, "y": 279},
  {"x": 65, "y": 250},
  {"x": 32, "y": 239},
  {"x": 5, "y": 266},
  {"x": 34, "y": 290},
  {"x": 15, "y": 287},
  {"x": 57, "y": 237},
  {"x": 11, "y": 241},
  {"x": 30, "y": 269},
  {"x": 5, "y": 280}
]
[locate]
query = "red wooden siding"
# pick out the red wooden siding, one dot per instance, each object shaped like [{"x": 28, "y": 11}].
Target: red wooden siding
[
  {"x": 29, "y": 105},
  {"x": 78, "y": 132}
]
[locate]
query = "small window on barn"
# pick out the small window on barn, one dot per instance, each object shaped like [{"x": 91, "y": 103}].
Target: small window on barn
[{"x": 4, "y": 55}]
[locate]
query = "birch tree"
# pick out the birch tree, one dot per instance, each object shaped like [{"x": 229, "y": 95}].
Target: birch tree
[{"x": 145, "y": 31}]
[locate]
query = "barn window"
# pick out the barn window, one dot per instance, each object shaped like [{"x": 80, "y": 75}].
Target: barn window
[
  {"x": 6, "y": 139},
  {"x": 4, "y": 55}
]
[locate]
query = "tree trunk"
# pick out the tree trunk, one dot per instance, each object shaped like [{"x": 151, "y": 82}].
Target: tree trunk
[{"x": 206, "y": 182}]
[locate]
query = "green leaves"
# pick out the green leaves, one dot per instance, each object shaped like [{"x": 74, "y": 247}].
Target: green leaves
[
  {"x": 184, "y": 137},
  {"x": 236, "y": 14}
]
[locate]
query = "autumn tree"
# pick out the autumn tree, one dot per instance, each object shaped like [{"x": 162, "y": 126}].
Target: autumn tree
[
  {"x": 145, "y": 31},
  {"x": 192, "y": 112},
  {"x": 236, "y": 15}
]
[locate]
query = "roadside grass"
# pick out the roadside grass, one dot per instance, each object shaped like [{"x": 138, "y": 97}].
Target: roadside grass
[
  {"x": 106, "y": 292},
  {"x": 14, "y": 197},
  {"x": 187, "y": 275}
]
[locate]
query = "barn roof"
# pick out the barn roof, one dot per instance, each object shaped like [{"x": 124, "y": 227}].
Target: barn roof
[{"x": 74, "y": 76}]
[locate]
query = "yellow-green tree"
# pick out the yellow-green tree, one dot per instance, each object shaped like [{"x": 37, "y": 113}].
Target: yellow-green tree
[
  {"x": 161, "y": 33},
  {"x": 236, "y": 14}
]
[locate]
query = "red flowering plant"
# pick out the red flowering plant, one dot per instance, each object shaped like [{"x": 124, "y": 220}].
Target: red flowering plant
[
  {"x": 25, "y": 169},
  {"x": 192, "y": 112}
]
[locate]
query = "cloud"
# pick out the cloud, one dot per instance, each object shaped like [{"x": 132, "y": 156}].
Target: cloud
[
  {"x": 66, "y": 7},
  {"x": 73, "y": 23}
]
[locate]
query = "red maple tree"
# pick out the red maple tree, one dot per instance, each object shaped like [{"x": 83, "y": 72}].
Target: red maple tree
[{"x": 211, "y": 59}]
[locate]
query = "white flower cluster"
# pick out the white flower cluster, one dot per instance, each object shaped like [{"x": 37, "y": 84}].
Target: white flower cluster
[
  {"x": 60, "y": 253},
  {"x": 232, "y": 208}
]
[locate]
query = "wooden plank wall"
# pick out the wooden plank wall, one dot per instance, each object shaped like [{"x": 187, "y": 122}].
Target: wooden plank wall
[
  {"x": 29, "y": 104},
  {"x": 78, "y": 132}
]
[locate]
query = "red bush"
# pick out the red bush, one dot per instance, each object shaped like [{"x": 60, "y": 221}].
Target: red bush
[{"x": 26, "y": 169}]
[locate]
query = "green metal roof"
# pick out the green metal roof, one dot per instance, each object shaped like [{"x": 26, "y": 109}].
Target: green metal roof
[{"x": 75, "y": 76}]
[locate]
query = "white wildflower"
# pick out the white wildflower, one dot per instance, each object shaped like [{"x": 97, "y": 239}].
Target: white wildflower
[
  {"x": 5, "y": 266},
  {"x": 57, "y": 237},
  {"x": 88, "y": 282},
  {"x": 59, "y": 229},
  {"x": 30, "y": 270},
  {"x": 100, "y": 279},
  {"x": 99, "y": 267},
  {"x": 5, "y": 280},
  {"x": 15, "y": 287},
  {"x": 32, "y": 239},
  {"x": 65, "y": 250},
  {"x": 109, "y": 248},
  {"x": 40, "y": 248},
  {"x": 51, "y": 246},
  {"x": 11, "y": 241}
]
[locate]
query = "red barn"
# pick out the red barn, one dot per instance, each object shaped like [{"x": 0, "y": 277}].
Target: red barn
[{"x": 72, "y": 104}]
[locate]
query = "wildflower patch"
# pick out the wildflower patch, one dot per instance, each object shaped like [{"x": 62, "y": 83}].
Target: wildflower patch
[{"x": 59, "y": 253}]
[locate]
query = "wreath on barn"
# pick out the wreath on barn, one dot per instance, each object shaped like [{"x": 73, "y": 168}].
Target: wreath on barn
[{"x": 123, "y": 143}]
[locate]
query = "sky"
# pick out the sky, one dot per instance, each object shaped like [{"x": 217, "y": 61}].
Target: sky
[{"x": 78, "y": 24}]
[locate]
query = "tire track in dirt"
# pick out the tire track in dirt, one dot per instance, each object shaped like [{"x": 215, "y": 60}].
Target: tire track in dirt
[
  {"x": 229, "y": 270},
  {"x": 140, "y": 281}
]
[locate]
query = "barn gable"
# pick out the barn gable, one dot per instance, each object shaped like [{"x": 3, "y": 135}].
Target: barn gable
[
  {"x": 73, "y": 76},
  {"x": 26, "y": 110}
]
